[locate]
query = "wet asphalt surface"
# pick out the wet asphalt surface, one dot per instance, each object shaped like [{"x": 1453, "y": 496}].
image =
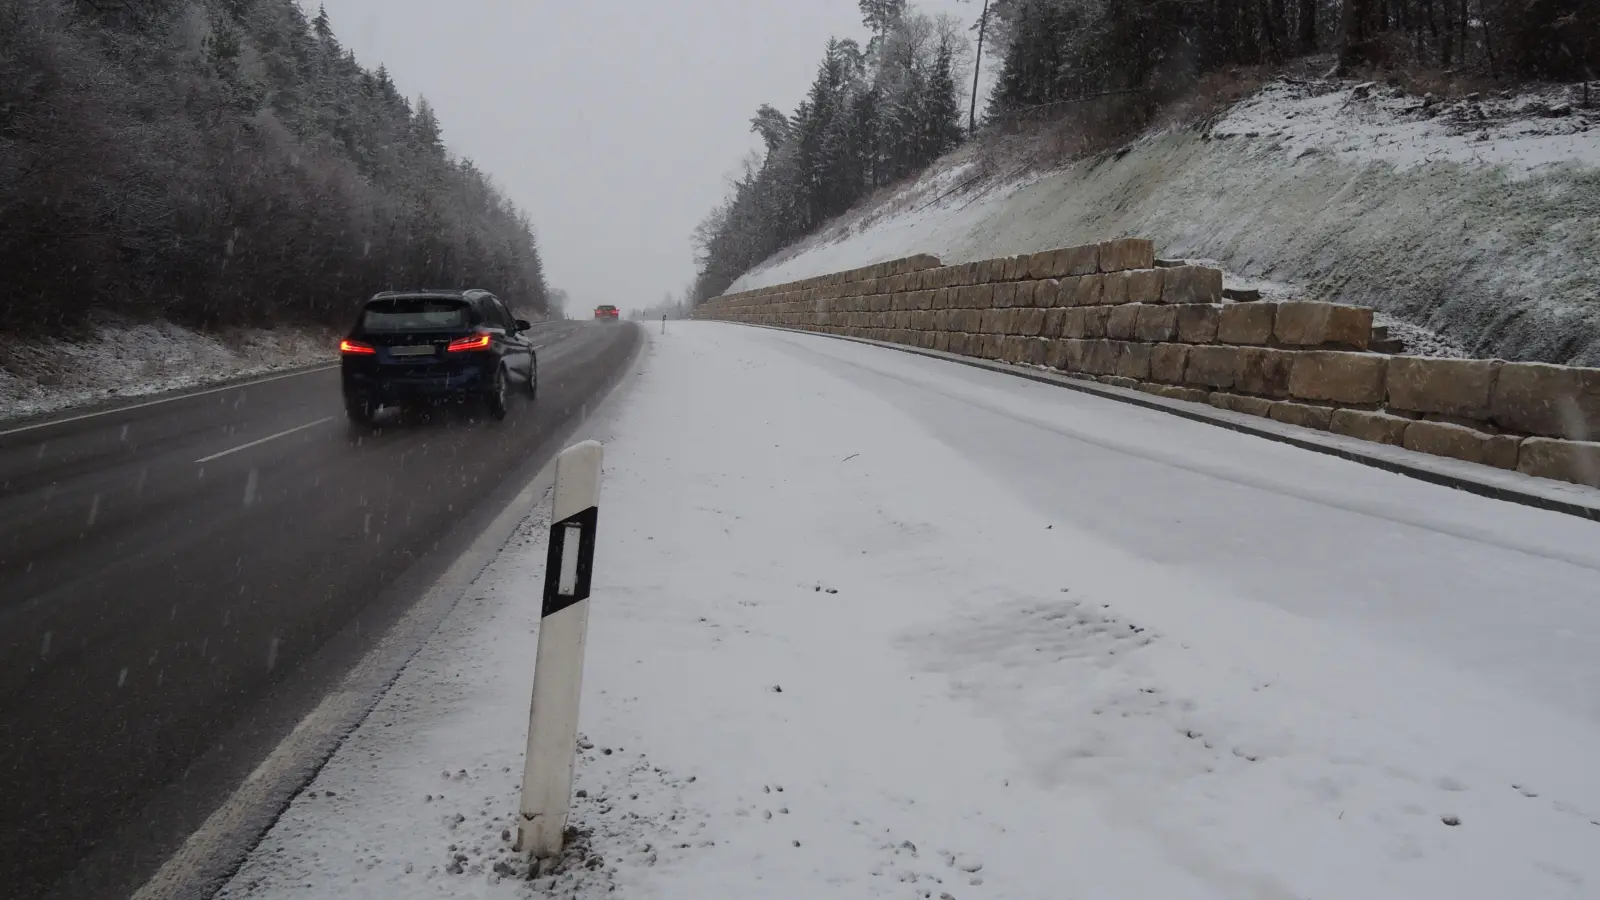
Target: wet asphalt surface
[{"x": 179, "y": 582}]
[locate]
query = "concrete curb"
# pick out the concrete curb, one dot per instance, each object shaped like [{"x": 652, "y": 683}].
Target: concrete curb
[{"x": 1492, "y": 483}]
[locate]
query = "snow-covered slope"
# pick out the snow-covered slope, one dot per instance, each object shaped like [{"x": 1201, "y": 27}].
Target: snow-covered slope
[
  {"x": 1478, "y": 219},
  {"x": 127, "y": 359}
]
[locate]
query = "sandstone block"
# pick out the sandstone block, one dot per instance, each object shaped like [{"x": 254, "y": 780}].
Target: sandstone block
[
  {"x": 1197, "y": 324},
  {"x": 1087, "y": 290},
  {"x": 1339, "y": 377},
  {"x": 1246, "y": 323},
  {"x": 1450, "y": 386},
  {"x": 1167, "y": 362},
  {"x": 1191, "y": 284},
  {"x": 1444, "y": 439},
  {"x": 1074, "y": 323},
  {"x": 1032, "y": 322},
  {"x": 1174, "y": 392},
  {"x": 1114, "y": 288},
  {"x": 1074, "y": 261},
  {"x": 1144, "y": 285},
  {"x": 1305, "y": 323},
  {"x": 1577, "y": 462},
  {"x": 1547, "y": 400},
  {"x": 1074, "y": 353},
  {"x": 1127, "y": 253},
  {"x": 1212, "y": 365},
  {"x": 1096, "y": 321},
  {"x": 1155, "y": 323},
  {"x": 1301, "y": 414},
  {"x": 1015, "y": 349},
  {"x": 1255, "y": 406},
  {"x": 1134, "y": 361},
  {"x": 1034, "y": 353},
  {"x": 1380, "y": 428},
  {"x": 1055, "y": 354},
  {"x": 1122, "y": 321},
  {"x": 1502, "y": 450},
  {"x": 1100, "y": 357},
  {"x": 1055, "y": 322}
]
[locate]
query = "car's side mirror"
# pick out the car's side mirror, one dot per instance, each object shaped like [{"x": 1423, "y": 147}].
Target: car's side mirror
[{"x": 523, "y": 324}]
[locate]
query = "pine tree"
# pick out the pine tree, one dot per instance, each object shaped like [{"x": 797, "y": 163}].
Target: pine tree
[{"x": 941, "y": 106}]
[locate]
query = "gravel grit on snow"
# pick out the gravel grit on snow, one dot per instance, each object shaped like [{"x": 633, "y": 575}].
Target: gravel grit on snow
[
  {"x": 834, "y": 652},
  {"x": 128, "y": 359}
]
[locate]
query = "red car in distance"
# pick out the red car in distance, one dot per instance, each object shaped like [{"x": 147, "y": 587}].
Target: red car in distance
[{"x": 605, "y": 312}]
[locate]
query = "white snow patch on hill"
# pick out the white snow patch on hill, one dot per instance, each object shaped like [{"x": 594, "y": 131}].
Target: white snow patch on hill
[{"x": 1371, "y": 123}]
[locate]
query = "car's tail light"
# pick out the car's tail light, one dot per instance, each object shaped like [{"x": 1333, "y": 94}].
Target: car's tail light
[
  {"x": 356, "y": 348},
  {"x": 476, "y": 342}
]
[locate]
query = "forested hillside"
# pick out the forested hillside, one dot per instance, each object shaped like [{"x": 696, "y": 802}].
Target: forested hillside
[
  {"x": 874, "y": 115},
  {"x": 877, "y": 115},
  {"x": 222, "y": 162},
  {"x": 1055, "y": 50}
]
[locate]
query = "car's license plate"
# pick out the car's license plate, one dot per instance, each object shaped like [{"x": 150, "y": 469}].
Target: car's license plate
[{"x": 413, "y": 350}]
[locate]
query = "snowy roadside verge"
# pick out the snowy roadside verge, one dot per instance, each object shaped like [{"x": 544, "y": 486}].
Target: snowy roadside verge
[
  {"x": 140, "y": 359},
  {"x": 832, "y": 654}
]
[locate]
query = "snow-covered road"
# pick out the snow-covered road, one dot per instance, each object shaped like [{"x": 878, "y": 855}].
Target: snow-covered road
[{"x": 868, "y": 624}]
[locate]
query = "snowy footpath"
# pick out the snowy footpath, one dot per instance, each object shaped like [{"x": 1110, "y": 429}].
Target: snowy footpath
[{"x": 867, "y": 624}]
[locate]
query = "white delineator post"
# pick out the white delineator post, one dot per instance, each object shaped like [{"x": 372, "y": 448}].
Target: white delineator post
[{"x": 558, "y": 669}]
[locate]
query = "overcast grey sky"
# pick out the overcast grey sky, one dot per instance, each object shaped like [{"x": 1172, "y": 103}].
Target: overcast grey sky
[{"x": 614, "y": 123}]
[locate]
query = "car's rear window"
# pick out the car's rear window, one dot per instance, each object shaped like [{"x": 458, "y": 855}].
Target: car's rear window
[
  {"x": 608, "y": 309},
  {"x": 415, "y": 314}
]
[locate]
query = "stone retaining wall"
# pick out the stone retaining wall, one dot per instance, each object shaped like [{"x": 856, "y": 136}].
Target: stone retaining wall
[{"x": 1109, "y": 312}]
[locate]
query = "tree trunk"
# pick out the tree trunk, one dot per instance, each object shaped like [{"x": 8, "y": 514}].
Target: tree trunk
[
  {"x": 1278, "y": 27},
  {"x": 1228, "y": 30},
  {"x": 1272, "y": 25},
  {"x": 1308, "y": 26},
  {"x": 1441, "y": 47},
  {"x": 1354, "y": 28}
]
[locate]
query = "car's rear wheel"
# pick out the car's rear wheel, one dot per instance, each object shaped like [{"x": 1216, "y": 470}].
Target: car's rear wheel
[
  {"x": 533, "y": 378},
  {"x": 496, "y": 399}
]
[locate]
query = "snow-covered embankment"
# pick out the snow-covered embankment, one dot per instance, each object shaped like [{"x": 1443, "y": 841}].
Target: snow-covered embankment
[
  {"x": 1477, "y": 219},
  {"x": 126, "y": 359}
]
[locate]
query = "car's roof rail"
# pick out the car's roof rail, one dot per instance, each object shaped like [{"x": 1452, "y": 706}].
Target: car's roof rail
[{"x": 429, "y": 292}]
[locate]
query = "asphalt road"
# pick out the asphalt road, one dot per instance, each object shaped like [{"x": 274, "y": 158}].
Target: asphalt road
[{"x": 173, "y": 576}]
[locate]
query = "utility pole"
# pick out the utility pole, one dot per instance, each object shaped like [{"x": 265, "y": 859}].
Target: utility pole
[{"x": 977, "y": 62}]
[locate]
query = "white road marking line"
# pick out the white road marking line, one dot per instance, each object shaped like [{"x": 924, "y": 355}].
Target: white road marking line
[
  {"x": 215, "y": 390},
  {"x": 270, "y": 437}
]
